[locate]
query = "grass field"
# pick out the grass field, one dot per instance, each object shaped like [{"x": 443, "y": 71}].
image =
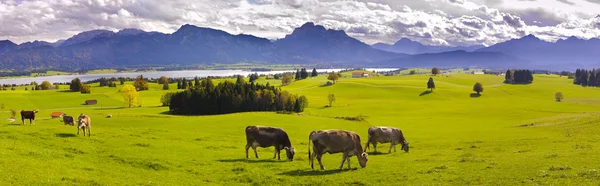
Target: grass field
[{"x": 512, "y": 134}]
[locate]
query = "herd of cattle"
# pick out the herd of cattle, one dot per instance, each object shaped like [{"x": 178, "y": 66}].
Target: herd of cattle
[
  {"x": 84, "y": 122},
  {"x": 325, "y": 141}
]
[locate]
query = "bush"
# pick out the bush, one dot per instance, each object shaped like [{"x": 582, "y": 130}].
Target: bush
[
  {"x": 45, "y": 85},
  {"x": 435, "y": 71},
  {"x": 85, "y": 89},
  {"x": 478, "y": 88},
  {"x": 559, "y": 96},
  {"x": 166, "y": 98}
]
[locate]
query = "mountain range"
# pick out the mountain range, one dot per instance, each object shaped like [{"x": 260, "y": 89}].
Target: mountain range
[{"x": 307, "y": 44}]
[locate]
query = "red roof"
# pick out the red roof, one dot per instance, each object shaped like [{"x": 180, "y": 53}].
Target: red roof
[
  {"x": 361, "y": 73},
  {"x": 56, "y": 114}
]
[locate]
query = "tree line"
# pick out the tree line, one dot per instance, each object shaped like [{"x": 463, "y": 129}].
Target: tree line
[
  {"x": 587, "y": 77},
  {"x": 229, "y": 97},
  {"x": 519, "y": 76}
]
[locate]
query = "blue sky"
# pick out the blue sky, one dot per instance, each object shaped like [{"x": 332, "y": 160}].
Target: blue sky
[{"x": 435, "y": 22}]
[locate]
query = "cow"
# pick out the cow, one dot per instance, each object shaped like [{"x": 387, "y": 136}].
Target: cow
[
  {"x": 68, "y": 120},
  {"x": 386, "y": 135},
  {"x": 25, "y": 114},
  {"x": 336, "y": 141},
  {"x": 84, "y": 122},
  {"x": 264, "y": 136}
]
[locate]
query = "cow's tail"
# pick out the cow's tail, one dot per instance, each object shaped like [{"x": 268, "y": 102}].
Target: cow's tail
[{"x": 368, "y": 141}]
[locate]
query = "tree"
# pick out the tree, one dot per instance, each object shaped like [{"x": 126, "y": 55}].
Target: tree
[
  {"x": 435, "y": 71},
  {"x": 253, "y": 77},
  {"x": 85, "y": 89},
  {"x": 166, "y": 98},
  {"x": 286, "y": 80},
  {"x": 184, "y": 84},
  {"x": 166, "y": 86},
  {"x": 13, "y": 114},
  {"x": 558, "y": 96},
  {"x": 301, "y": 103},
  {"x": 140, "y": 83},
  {"x": 207, "y": 84},
  {"x": 163, "y": 80},
  {"x": 56, "y": 87},
  {"x": 178, "y": 84},
  {"x": 431, "y": 84},
  {"x": 509, "y": 76},
  {"x": 122, "y": 81},
  {"x": 412, "y": 72},
  {"x": 75, "y": 85},
  {"x": 333, "y": 77},
  {"x": 331, "y": 98},
  {"x": 196, "y": 82},
  {"x": 478, "y": 88},
  {"x": 314, "y": 73},
  {"x": 129, "y": 94},
  {"x": 45, "y": 85},
  {"x": 303, "y": 73},
  {"x": 240, "y": 80},
  {"x": 297, "y": 75}
]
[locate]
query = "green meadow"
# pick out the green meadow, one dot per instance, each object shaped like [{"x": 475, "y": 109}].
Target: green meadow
[{"x": 510, "y": 135}]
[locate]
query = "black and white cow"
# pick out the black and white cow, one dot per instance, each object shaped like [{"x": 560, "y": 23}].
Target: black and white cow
[{"x": 262, "y": 136}]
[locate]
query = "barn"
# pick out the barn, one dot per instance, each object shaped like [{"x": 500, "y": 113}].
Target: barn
[
  {"x": 91, "y": 102},
  {"x": 56, "y": 114}
]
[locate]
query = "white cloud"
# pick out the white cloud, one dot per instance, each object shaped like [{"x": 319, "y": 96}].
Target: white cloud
[{"x": 438, "y": 22}]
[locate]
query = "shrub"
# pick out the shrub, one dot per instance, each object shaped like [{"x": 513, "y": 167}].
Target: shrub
[
  {"x": 559, "y": 96},
  {"x": 435, "y": 71},
  {"x": 333, "y": 77},
  {"x": 85, "y": 89},
  {"x": 478, "y": 88},
  {"x": 166, "y": 98}
]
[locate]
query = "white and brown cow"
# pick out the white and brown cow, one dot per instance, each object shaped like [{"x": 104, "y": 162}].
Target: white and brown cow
[
  {"x": 84, "y": 122},
  {"x": 386, "y": 135},
  {"x": 336, "y": 141},
  {"x": 262, "y": 136}
]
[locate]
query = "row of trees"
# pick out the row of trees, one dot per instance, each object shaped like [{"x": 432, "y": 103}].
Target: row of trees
[
  {"x": 518, "y": 76},
  {"x": 587, "y": 77},
  {"x": 228, "y": 97}
]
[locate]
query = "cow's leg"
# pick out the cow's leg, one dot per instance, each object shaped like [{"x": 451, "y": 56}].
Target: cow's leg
[
  {"x": 278, "y": 154},
  {"x": 391, "y": 145},
  {"x": 375, "y": 147},
  {"x": 247, "y": 147},
  {"x": 348, "y": 159},
  {"x": 89, "y": 131},
  {"x": 395, "y": 147},
  {"x": 78, "y": 128},
  {"x": 319, "y": 159},
  {"x": 255, "y": 153},
  {"x": 275, "y": 152},
  {"x": 312, "y": 159},
  {"x": 344, "y": 157}
]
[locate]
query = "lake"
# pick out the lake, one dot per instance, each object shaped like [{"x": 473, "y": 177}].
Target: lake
[{"x": 158, "y": 74}]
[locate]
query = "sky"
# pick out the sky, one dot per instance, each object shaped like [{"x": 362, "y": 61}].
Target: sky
[{"x": 433, "y": 22}]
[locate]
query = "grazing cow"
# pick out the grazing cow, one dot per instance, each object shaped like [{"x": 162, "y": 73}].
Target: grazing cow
[
  {"x": 269, "y": 136},
  {"x": 25, "y": 114},
  {"x": 68, "y": 120},
  {"x": 336, "y": 141},
  {"x": 84, "y": 122},
  {"x": 386, "y": 135}
]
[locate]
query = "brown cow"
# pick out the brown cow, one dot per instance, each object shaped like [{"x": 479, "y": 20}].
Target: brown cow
[
  {"x": 386, "y": 135},
  {"x": 336, "y": 141},
  {"x": 269, "y": 136},
  {"x": 84, "y": 122},
  {"x": 28, "y": 115}
]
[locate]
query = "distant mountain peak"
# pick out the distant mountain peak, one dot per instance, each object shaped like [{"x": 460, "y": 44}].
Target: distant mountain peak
[
  {"x": 130, "y": 31},
  {"x": 530, "y": 37},
  {"x": 597, "y": 16},
  {"x": 85, "y": 36}
]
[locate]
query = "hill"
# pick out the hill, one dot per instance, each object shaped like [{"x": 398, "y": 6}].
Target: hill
[
  {"x": 457, "y": 59},
  {"x": 408, "y": 46}
]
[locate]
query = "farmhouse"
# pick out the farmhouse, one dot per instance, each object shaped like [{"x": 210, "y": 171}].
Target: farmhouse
[
  {"x": 91, "y": 102},
  {"x": 56, "y": 115},
  {"x": 359, "y": 74},
  {"x": 478, "y": 72}
]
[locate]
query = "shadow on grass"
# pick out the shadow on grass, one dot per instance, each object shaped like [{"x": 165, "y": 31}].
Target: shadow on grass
[
  {"x": 425, "y": 93},
  {"x": 65, "y": 91},
  {"x": 15, "y": 124},
  {"x": 252, "y": 160},
  {"x": 311, "y": 172},
  {"x": 325, "y": 85},
  {"x": 378, "y": 153},
  {"x": 65, "y": 135},
  {"x": 475, "y": 95},
  {"x": 110, "y": 108}
]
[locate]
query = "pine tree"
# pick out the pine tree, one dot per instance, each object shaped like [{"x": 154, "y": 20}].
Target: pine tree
[
  {"x": 240, "y": 80},
  {"x": 314, "y": 73},
  {"x": 184, "y": 84},
  {"x": 196, "y": 81},
  {"x": 431, "y": 84},
  {"x": 297, "y": 75}
]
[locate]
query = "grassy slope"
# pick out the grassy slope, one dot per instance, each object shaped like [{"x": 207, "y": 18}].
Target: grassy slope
[{"x": 455, "y": 139}]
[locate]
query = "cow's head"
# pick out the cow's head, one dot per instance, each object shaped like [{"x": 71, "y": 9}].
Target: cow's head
[
  {"x": 405, "y": 146},
  {"x": 290, "y": 151},
  {"x": 362, "y": 159},
  {"x": 35, "y": 111}
]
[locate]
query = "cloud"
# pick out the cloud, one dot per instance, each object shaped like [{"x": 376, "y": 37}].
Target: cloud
[
  {"x": 436, "y": 22},
  {"x": 566, "y": 2}
]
